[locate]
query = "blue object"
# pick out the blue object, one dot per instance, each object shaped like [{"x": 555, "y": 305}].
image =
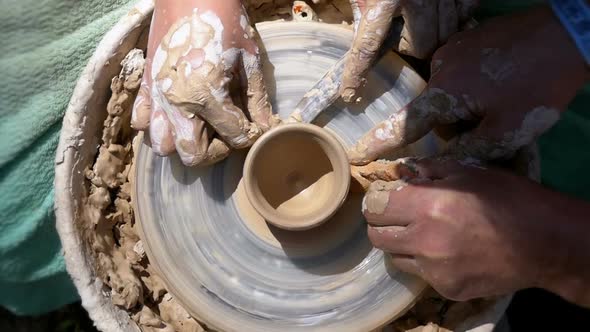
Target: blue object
[{"x": 575, "y": 17}]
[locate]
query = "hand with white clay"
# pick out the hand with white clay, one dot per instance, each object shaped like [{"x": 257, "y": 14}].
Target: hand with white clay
[
  {"x": 471, "y": 232},
  {"x": 427, "y": 25},
  {"x": 508, "y": 82},
  {"x": 196, "y": 49}
]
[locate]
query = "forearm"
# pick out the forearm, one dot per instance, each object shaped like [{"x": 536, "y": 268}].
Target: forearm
[
  {"x": 567, "y": 272},
  {"x": 560, "y": 50}
]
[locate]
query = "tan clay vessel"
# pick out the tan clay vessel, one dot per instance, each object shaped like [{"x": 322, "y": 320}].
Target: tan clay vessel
[{"x": 297, "y": 176}]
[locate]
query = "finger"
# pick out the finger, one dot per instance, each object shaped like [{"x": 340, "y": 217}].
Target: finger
[
  {"x": 419, "y": 37},
  {"x": 397, "y": 203},
  {"x": 405, "y": 263},
  {"x": 372, "y": 31},
  {"x": 449, "y": 131},
  {"x": 192, "y": 138},
  {"x": 448, "y": 20},
  {"x": 392, "y": 239},
  {"x": 302, "y": 12},
  {"x": 405, "y": 126},
  {"x": 437, "y": 168},
  {"x": 384, "y": 170},
  {"x": 258, "y": 104},
  {"x": 500, "y": 138},
  {"x": 141, "y": 113},
  {"x": 218, "y": 110},
  {"x": 160, "y": 131}
]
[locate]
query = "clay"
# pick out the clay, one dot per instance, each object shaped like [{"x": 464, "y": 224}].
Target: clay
[
  {"x": 302, "y": 188},
  {"x": 385, "y": 170},
  {"x": 317, "y": 240},
  {"x": 121, "y": 261},
  {"x": 377, "y": 197},
  {"x": 496, "y": 66},
  {"x": 301, "y": 11}
]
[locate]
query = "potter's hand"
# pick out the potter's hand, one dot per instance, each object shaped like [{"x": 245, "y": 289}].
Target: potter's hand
[
  {"x": 472, "y": 232},
  {"x": 512, "y": 82},
  {"x": 196, "y": 48},
  {"x": 427, "y": 24}
]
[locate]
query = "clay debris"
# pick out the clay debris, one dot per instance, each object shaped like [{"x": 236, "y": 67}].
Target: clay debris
[
  {"x": 335, "y": 11},
  {"x": 110, "y": 224},
  {"x": 383, "y": 170}
]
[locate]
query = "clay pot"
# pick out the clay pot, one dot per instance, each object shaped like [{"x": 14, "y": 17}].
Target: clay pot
[{"x": 297, "y": 176}]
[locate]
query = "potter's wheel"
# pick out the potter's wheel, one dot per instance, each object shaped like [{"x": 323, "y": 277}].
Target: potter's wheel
[{"x": 236, "y": 273}]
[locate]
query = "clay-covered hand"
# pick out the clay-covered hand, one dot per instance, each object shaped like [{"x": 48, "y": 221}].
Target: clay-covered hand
[
  {"x": 427, "y": 25},
  {"x": 473, "y": 232},
  {"x": 510, "y": 83},
  {"x": 196, "y": 49}
]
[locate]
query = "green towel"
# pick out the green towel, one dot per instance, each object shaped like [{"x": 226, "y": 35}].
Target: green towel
[{"x": 45, "y": 45}]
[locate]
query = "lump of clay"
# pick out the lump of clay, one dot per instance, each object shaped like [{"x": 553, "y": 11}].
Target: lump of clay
[
  {"x": 301, "y": 11},
  {"x": 384, "y": 170}
]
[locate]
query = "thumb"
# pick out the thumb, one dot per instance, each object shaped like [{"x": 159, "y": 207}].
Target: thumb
[
  {"x": 371, "y": 32},
  {"x": 141, "y": 113}
]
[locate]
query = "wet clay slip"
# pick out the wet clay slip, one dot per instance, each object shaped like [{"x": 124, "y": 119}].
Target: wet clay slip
[{"x": 297, "y": 176}]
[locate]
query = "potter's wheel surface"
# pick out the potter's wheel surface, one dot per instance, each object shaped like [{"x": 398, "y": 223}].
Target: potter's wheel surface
[{"x": 236, "y": 273}]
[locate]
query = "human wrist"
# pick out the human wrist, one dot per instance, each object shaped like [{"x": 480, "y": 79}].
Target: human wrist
[{"x": 565, "y": 270}]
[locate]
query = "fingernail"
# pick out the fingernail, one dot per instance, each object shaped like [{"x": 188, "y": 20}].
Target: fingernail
[
  {"x": 377, "y": 198},
  {"x": 348, "y": 94}
]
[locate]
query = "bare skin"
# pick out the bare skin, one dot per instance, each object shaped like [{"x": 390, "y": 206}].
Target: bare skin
[
  {"x": 473, "y": 232},
  {"x": 196, "y": 49},
  {"x": 428, "y": 24},
  {"x": 510, "y": 83}
]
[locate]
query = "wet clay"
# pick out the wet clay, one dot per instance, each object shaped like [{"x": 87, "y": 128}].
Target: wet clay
[
  {"x": 110, "y": 224},
  {"x": 377, "y": 198},
  {"x": 315, "y": 241},
  {"x": 294, "y": 176},
  {"x": 385, "y": 170}
]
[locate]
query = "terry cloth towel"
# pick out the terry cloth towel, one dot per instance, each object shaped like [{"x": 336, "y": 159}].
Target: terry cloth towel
[{"x": 45, "y": 45}]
